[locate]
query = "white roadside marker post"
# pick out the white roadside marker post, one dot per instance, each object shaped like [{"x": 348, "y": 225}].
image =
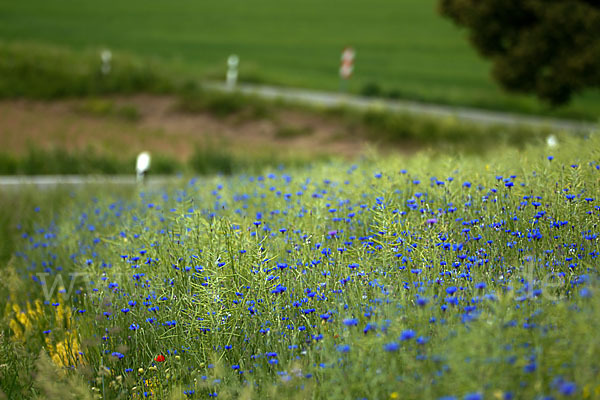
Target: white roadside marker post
[
  {"x": 106, "y": 57},
  {"x": 232, "y": 71},
  {"x": 142, "y": 165},
  {"x": 346, "y": 67},
  {"x": 551, "y": 141}
]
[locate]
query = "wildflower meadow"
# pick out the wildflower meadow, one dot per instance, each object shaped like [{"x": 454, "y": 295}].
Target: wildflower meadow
[{"x": 423, "y": 277}]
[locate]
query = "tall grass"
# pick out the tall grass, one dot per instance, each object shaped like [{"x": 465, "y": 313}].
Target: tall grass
[
  {"x": 38, "y": 161},
  {"x": 207, "y": 158}
]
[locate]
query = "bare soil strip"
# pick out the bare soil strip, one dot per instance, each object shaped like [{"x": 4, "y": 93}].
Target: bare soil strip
[{"x": 74, "y": 125}]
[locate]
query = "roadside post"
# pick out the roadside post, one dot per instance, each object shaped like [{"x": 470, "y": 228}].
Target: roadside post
[
  {"x": 232, "y": 71},
  {"x": 142, "y": 165},
  {"x": 106, "y": 57},
  {"x": 346, "y": 67}
]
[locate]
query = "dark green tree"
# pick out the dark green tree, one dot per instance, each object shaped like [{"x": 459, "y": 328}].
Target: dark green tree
[{"x": 547, "y": 47}]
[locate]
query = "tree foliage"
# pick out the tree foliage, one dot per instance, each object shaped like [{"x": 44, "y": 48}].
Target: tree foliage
[{"x": 547, "y": 47}]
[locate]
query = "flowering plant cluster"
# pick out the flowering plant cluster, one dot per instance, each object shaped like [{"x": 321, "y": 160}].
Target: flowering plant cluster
[{"x": 412, "y": 278}]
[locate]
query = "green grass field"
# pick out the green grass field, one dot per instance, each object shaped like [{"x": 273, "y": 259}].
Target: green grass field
[
  {"x": 437, "y": 277},
  {"x": 404, "y": 47}
]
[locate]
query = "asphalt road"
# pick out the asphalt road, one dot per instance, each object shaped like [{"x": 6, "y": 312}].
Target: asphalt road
[
  {"x": 50, "y": 181},
  {"x": 329, "y": 99}
]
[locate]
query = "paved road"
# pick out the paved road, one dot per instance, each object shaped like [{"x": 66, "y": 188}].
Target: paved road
[
  {"x": 329, "y": 99},
  {"x": 49, "y": 181}
]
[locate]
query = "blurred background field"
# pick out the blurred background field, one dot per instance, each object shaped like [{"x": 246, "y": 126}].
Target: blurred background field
[
  {"x": 404, "y": 49},
  {"x": 61, "y": 115}
]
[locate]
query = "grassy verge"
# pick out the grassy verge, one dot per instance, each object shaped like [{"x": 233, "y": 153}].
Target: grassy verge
[
  {"x": 60, "y": 162},
  {"x": 375, "y": 125},
  {"x": 45, "y": 72},
  {"x": 205, "y": 160},
  {"x": 437, "y": 133}
]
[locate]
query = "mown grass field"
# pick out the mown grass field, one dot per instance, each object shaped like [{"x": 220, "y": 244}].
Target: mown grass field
[
  {"x": 404, "y": 47},
  {"x": 435, "y": 276}
]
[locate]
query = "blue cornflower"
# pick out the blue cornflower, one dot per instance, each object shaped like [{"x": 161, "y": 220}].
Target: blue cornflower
[
  {"x": 343, "y": 348},
  {"x": 451, "y": 290},
  {"x": 393, "y": 346},
  {"x": 351, "y": 321},
  {"x": 279, "y": 289},
  {"x": 407, "y": 334},
  {"x": 370, "y": 327},
  {"x": 422, "y": 301},
  {"x": 134, "y": 327},
  {"x": 531, "y": 367},
  {"x": 422, "y": 340},
  {"x": 473, "y": 396},
  {"x": 117, "y": 355},
  {"x": 452, "y": 300},
  {"x": 125, "y": 310},
  {"x": 567, "y": 388}
]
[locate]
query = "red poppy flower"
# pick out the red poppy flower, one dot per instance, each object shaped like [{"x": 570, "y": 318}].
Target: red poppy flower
[{"x": 159, "y": 358}]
